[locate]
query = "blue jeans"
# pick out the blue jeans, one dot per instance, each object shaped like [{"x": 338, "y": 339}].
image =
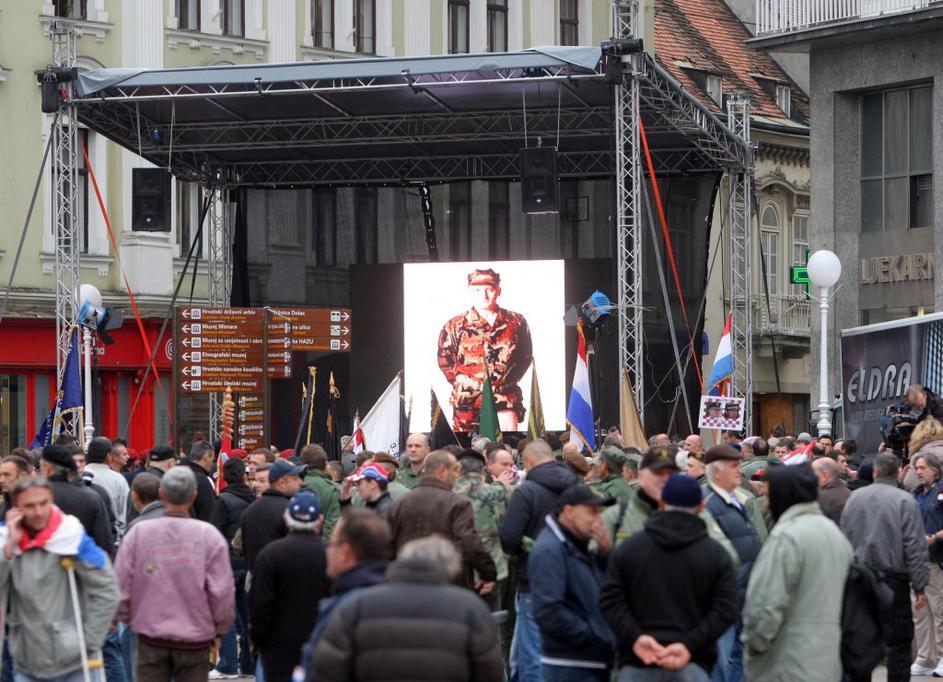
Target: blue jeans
[
  {"x": 525, "y": 645},
  {"x": 234, "y": 654},
  {"x": 7, "y": 669},
  {"x": 559, "y": 673},
  {"x": 114, "y": 659},
  {"x": 74, "y": 676},
  {"x": 129, "y": 649},
  {"x": 729, "y": 666},
  {"x": 259, "y": 671}
]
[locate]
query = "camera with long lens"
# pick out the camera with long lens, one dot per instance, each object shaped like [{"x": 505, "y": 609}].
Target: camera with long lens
[{"x": 897, "y": 425}]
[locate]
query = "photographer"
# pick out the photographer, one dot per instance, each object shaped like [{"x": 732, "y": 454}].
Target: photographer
[{"x": 924, "y": 402}]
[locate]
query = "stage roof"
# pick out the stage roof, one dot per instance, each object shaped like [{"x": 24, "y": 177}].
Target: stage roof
[{"x": 395, "y": 120}]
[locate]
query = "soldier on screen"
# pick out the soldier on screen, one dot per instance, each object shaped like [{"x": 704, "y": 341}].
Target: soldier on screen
[{"x": 486, "y": 335}]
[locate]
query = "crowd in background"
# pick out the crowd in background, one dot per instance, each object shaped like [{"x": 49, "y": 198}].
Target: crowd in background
[{"x": 520, "y": 560}]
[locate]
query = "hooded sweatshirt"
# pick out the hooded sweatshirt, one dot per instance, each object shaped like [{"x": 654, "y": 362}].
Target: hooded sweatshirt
[
  {"x": 672, "y": 582},
  {"x": 527, "y": 509}
]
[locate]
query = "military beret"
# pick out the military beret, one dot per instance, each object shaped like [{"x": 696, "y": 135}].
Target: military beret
[
  {"x": 576, "y": 461},
  {"x": 60, "y": 456},
  {"x": 484, "y": 278}
]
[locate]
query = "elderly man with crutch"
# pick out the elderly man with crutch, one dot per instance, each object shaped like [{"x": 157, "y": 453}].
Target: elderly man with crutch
[{"x": 58, "y": 587}]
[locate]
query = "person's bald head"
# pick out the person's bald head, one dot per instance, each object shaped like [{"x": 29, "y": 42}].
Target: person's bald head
[
  {"x": 417, "y": 448},
  {"x": 441, "y": 465},
  {"x": 827, "y": 469},
  {"x": 536, "y": 453}
]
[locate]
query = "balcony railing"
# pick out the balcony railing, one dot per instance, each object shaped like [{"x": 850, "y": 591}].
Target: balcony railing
[
  {"x": 783, "y": 16},
  {"x": 787, "y": 315}
]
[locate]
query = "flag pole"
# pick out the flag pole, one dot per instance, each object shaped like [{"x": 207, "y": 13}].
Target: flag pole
[{"x": 313, "y": 371}]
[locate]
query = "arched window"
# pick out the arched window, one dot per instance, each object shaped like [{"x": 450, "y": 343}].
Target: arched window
[{"x": 770, "y": 230}]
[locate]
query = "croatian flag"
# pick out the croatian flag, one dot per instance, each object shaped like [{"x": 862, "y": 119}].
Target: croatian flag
[
  {"x": 359, "y": 445},
  {"x": 723, "y": 364},
  {"x": 62, "y": 536},
  {"x": 579, "y": 413}
]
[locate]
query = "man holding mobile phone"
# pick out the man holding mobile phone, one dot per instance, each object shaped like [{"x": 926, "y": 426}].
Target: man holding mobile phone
[{"x": 49, "y": 564}]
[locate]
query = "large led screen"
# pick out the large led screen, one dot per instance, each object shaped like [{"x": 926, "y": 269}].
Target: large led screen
[{"x": 463, "y": 319}]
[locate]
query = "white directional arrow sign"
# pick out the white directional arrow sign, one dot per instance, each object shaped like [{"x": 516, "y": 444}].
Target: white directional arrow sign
[
  {"x": 186, "y": 342},
  {"x": 186, "y": 313},
  {"x": 185, "y": 384}
]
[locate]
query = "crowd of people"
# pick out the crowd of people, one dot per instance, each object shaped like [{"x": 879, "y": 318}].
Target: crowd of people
[{"x": 520, "y": 560}]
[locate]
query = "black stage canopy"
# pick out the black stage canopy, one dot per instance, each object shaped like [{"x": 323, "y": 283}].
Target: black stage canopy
[{"x": 395, "y": 120}]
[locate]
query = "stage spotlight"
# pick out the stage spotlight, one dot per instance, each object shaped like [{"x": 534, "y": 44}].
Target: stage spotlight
[{"x": 595, "y": 310}]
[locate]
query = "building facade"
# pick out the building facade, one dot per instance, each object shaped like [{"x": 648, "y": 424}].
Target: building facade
[{"x": 876, "y": 101}]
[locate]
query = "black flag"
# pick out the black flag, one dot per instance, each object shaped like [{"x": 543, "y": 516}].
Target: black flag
[
  {"x": 332, "y": 443},
  {"x": 441, "y": 433}
]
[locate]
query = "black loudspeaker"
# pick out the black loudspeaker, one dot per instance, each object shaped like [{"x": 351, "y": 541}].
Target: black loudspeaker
[
  {"x": 50, "y": 97},
  {"x": 150, "y": 200},
  {"x": 539, "y": 180}
]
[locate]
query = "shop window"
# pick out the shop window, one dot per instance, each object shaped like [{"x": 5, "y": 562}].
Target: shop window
[
  {"x": 497, "y": 25},
  {"x": 13, "y": 408},
  {"x": 896, "y": 159}
]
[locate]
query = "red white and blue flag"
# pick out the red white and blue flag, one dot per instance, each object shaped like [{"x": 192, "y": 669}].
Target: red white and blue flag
[
  {"x": 63, "y": 536},
  {"x": 723, "y": 365},
  {"x": 579, "y": 413}
]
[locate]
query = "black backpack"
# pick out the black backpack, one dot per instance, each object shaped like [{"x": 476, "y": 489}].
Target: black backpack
[{"x": 865, "y": 620}]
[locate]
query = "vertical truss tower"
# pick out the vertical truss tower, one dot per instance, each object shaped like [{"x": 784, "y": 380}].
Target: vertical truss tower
[
  {"x": 65, "y": 156},
  {"x": 625, "y": 24},
  {"x": 219, "y": 269},
  {"x": 739, "y": 195}
]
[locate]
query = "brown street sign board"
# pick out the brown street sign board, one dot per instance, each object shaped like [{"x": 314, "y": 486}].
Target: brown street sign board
[
  {"x": 317, "y": 329},
  {"x": 220, "y": 348}
]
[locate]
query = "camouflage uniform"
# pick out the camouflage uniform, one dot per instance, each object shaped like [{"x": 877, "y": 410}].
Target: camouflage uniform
[
  {"x": 638, "y": 511},
  {"x": 489, "y": 501},
  {"x": 406, "y": 477},
  {"x": 467, "y": 343},
  {"x": 613, "y": 486}
]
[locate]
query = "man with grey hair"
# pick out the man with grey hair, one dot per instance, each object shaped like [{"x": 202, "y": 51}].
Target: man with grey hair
[
  {"x": 173, "y": 593},
  {"x": 288, "y": 583},
  {"x": 201, "y": 459},
  {"x": 427, "y": 624},
  {"x": 883, "y": 524},
  {"x": 833, "y": 493},
  {"x": 928, "y": 622}
]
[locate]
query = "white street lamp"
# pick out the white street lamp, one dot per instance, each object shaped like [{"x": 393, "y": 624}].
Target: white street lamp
[
  {"x": 824, "y": 271},
  {"x": 89, "y": 301}
]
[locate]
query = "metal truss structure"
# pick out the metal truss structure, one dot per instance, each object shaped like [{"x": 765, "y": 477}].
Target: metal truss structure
[
  {"x": 382, "y": 122},
  {"x": 739, "y": 189},
  {"x": 629, "y": 207},
  {"x": 65, "y": 163},
  {"x": 219, "y": 271}
]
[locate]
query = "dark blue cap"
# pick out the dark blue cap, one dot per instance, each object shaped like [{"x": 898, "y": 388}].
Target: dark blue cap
[
  {"x": 304, "y": 506},
  {"x": 681, "y": 491}
]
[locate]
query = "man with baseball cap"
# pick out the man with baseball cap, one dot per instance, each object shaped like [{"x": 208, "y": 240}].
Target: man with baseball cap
[
  {"x": 288, "y": 582},
  {"x": 670, "y": 590},
  {"x": 576, "y": 642},
  {"x": 628, "y": 518},
  {"x": 610, "y": 481},
  {"x": 485, "y": 337},
  {"x": 262, "y": 521},
  {"x": 731, "y": 505},
  {"x": 371, "y": 480}
]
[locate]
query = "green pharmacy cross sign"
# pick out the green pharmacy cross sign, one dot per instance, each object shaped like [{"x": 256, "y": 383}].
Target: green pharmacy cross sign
[{"x": 799, "y": 274}]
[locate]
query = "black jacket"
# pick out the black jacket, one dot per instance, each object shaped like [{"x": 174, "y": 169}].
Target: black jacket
[
  {"x": 529, "y": 505},
  {"x": 741, "y": 532},
  {"x": 414, "y": 626},
  {"x": 262, "y": 522},
  {"x": 672, "y": 582},
  {"x": 88, "y": 507},
  {"x": 205, "y": 493},
  {"x": 288, "y": 582},
  {"x": 227, "y": 516},
  {"x": 382, "y": 505}
]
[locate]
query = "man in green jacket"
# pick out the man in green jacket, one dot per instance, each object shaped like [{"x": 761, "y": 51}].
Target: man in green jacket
[
  {"x": 628, "y": 518},
  {"x": 792, "y": 616},
  {"x": 417, "y": 448},
  {"x": 610, "y": 481},
  {"x": 316, "y": 478}
]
